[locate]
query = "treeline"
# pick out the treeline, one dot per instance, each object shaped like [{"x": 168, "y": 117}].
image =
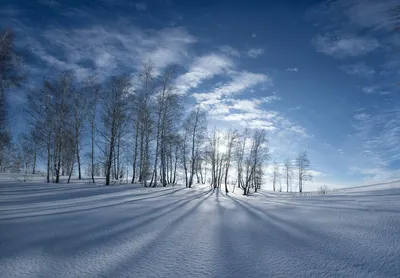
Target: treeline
[{"x": 136, "y": 127}]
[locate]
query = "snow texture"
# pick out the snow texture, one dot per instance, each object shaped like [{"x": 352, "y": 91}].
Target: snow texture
[{"x": 82, "y": 230}]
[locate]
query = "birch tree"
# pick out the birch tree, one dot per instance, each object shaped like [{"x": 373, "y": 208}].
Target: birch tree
[
  {"x": 288, "y": 172},
  {"x": 113, "y": 117},
  {"x": 11, "y": 75},
  {"x": 303, "y": 169},
  {"x": 195, "y": 129}
]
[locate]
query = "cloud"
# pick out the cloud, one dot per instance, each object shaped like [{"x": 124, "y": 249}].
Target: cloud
[
  {"x": 141, "y": 6},
  {"x": 376, "y": 140},
  {"x": 345, "y": 46},
  {"x": 255, "y": 52},
  {"x": 230, "y": 51},
  {"x": 375, "y": 90},
  {"x": 203, "y": 67},
  {"x": 366, "y": 14},
  {"x": 292, "y": 69},
  {"x": 106, "y": 50},
  {"x": 359, "y": 69},
  {"x": 254, "y": 35},
  {"x": 48, "y": 2}
]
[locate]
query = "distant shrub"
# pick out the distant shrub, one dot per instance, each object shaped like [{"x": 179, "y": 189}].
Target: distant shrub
[{"x": 323, "y": 189}]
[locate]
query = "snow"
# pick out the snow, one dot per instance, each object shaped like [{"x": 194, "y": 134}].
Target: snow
[{"x": 83, "y": 230}]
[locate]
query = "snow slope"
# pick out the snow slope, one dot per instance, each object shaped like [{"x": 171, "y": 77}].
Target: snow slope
[{"x": 83, "y": 230}]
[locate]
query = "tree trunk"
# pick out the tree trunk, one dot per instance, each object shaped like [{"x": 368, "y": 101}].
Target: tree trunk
[
  {"x": 92, "y": 155},
  {"x": 135, "y": 155},
  {"x": 78, "y": 160}
]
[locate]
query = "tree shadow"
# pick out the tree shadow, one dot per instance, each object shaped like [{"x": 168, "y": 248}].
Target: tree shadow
[{"x": 160, "y": 237}]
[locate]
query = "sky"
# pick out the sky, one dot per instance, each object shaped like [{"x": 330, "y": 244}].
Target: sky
[{"x": 319, "y": 76}]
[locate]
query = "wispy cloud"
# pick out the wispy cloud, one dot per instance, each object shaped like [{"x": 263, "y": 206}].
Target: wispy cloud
[
  {"x": 202, "y": 68},
  {"x": 48, "y": 2},
  {"x": 107, "y": 49},
  {"x": 292, "y": 69},
  {"x": 359, "y": 69},
  {"x": 366, "y": 14},
  {"x": 345, "y": 46},
  {"x": 378, "y": 134},
  {"x": 141, "y": 6},
  {"x": 255, "y": 52},
  {"x": 229, "y": 50},
  {"x": 375, "y": 90}
]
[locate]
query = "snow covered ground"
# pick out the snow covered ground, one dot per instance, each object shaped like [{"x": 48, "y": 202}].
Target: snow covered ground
[{"x": 82, "y": 230}]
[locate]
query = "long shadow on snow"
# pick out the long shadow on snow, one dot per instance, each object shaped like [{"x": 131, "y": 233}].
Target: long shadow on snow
[
  {"x": 74, "y": 193},
  {"x": 140, "y": 255},
  {"x": 352, "y": 203},
  {"x": 233, "y": 263},
  {"x": 322, "y": 244},
  {"x": 86, "y": 239},
  {"x": 41, "y": 210}
]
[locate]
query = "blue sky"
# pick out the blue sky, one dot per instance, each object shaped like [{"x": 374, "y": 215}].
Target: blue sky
[{"x": 317, "y": 75}]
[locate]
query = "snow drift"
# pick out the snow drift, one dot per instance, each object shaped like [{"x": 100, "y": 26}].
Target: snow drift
[{"x": 81, "y": 230}]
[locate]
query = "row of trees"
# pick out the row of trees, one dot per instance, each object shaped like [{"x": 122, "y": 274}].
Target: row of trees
[
  {"x": 301, "y": 167},
  {"x": 122, "y": 127}
]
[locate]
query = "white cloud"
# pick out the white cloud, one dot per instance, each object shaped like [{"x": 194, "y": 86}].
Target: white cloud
[
  {"x": 141, "y": 6},
  {"x": 369, "y": 90},
  {"x": 292, "y": 69},
  {"x": 112, "y": 48},
  {"x": 359, "y": 69},
  {"x": 202, "y": 68},
  {"x": 242, "y": 81},
  {"x": 48, "y": 2},
  {"x": 228, "y": 50},
  {"x": 255, "y": 52},
  {"x": 372, "y": 14},
  {"x": 375, "y": 90},
  {"x": 345, "y": 46},
  {"x": 376, "y": 141}
]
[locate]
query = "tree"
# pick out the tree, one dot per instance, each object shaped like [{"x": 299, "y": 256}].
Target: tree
[
  {"x": 11, "y": 75},
  {"x": 195, "y": 131},
  {"x": 254, "y": 159},
  {"x": 29, "y": 146},
  {"x": 288, "y": 172},
  {"x": 113, "y": 118},
  {"x": 303, "y": 168},
  {"x": 81, "y": 108},
  {"x": 167, "y": 107},
  {"x": 143, "y": 121},
  {"x": 239, "y": 154},
  {"x": 61, "y": 91},
  {"x": 93, "y": 91},
  {"x": 232, "y": 137},
  {"x": 275, "y": 175},
  {"x": 50, "y": 114}
]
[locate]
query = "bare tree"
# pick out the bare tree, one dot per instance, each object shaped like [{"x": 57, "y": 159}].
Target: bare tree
[
  {"x": 93, "y": 90},
  {"x": 195, "y": 129},
  {"x": 113, "y": 117},
  {"x": 232, "y": 137},
  {"x": 49, "y": 110},
  {"x": 11, "y": 75},
  {"x": 288, "y": 172},
  {"x": 167, "y": 104},
  {"x": 144, "y": 121},
  {"x": 303, "y": 168},
  {"x": 61, "y": 90},
  {"x": 239, "y": 154},
  {"x": 81, "y": 110},
  {"x": 275, "y": 175},
  {"x": 253, "y": 162},
  {"x": 29, "y": 145}
]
